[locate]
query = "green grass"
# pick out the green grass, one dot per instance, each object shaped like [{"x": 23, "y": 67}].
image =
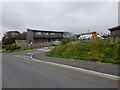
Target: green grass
[
  {"x": 0, "y": 51},
  {"x": 18, "y": 50},
  {"x": 95, "y": 50},
  {"x": 4, "y": 50},
  {"x": 14, "y": 48},
  {"x": 21, "y": 49}
]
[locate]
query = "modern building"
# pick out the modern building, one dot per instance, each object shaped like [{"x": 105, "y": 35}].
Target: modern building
[
  {"x": 115, "y": 32},
  {"x": 41, "y": 36}
]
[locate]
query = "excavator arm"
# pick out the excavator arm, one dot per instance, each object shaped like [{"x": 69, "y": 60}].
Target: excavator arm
[{"x": 94, "y": 34}]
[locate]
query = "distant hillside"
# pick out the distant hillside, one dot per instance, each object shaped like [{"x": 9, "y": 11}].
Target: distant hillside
[{"x": 103, "y": 51}]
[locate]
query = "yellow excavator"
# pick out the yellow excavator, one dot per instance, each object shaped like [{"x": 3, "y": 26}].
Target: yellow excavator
[{"x": 94, "y": 35}]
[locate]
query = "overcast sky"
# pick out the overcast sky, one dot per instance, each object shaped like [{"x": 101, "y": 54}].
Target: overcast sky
[{"x": 75, "y": 17}]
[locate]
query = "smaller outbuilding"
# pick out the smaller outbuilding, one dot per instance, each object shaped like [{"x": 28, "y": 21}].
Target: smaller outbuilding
[{"x": 115, "y": 32}]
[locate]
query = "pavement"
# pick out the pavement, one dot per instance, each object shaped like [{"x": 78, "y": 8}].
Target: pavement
[
  {"x": 107, "y": 68},
  {"x": 94, "y": 66},
  {"x": 18, "y": 72}
]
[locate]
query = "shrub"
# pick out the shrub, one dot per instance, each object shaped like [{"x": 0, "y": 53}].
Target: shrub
[
  {"x": 12, "y": 48},
  {"x": 64, "y": 41}
]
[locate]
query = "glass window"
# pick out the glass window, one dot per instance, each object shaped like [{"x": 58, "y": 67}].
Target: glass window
[
  {"x": 38, "y": 33},
  {"x": 46, "y": 33},
  {"x": 60, "y": 33},
  {"x": 52, "y": 33}
]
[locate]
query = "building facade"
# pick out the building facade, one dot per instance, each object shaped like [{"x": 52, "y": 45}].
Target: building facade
[
  {"x": 41, "y": 36},
  {"x": 115, "y": 32}
]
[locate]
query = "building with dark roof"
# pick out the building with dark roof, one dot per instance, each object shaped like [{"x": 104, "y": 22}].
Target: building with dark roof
[
  {"x": 115, "y": 32},
  {"x": 41, "y": 36}
]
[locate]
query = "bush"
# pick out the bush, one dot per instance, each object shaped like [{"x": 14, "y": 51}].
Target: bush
[
  {"x": 64, "y": 41},
  {"x": 12, "y": 48}
]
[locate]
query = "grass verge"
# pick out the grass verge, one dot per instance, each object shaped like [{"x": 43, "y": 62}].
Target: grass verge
[
  {"x": 14, "y": 48},
  {"x": 95, "y": 50}
]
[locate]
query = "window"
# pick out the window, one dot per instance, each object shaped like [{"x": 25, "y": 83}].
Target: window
[
  {"x": 59, "y": 33},
  {"x": 52, "y": 33},
  {"x": 39, "y": 33},
  {"x": 46, "y": 33}
]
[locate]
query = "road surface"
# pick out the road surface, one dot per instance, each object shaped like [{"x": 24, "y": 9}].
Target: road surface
[{"x": 22, "y": 72}]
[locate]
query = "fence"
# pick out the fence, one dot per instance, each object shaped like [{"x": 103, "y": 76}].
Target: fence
[{"x": 24, "y": 43}]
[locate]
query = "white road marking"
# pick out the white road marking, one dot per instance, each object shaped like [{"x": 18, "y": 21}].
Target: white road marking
[{"x": 22, "y": 56}]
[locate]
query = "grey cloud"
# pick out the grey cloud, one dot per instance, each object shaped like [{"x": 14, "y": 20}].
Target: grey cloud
[{"x": 71, "y": 16}]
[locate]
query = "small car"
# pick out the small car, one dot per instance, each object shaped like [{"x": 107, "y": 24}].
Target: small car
[{"x": 55, "y": 43}]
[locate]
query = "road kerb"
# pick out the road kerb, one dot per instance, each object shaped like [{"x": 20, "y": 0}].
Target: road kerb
[{"x": 79, "y": 69}]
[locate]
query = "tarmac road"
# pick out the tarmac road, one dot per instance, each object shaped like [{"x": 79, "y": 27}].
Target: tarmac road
[{"x": 21, "y": 72}]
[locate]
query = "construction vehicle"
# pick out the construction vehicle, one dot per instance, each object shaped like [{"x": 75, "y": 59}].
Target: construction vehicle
[{"x": 94, "y": 35}]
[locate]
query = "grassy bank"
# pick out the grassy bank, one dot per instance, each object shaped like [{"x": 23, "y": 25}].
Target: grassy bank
[
  {"x": 103, "y": 51},
  {"x": 14, "y": 48}
]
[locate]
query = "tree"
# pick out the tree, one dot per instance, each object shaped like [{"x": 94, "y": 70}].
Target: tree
[
  {"x": 10, "y": 37},
  {"x": 23, "y": 35},
  {"x": 69, "y": 36},
  {"x": 12, "y": 33}
]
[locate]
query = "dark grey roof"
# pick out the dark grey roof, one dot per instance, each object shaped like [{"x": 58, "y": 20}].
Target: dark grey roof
[
  {"x": 45, "y": 30},
  {"x": 114, "y": 28}
]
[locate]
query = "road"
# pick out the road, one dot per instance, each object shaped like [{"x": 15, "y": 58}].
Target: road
[{"x": 22, "y": 72}]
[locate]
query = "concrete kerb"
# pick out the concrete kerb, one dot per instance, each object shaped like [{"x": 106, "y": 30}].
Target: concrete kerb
[{"x": 79, "y": 69}]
